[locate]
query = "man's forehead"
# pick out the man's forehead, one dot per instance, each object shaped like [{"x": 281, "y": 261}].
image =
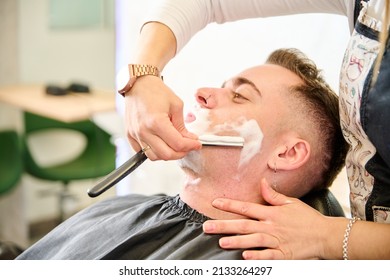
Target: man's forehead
[{"x": 268, "y": 71}]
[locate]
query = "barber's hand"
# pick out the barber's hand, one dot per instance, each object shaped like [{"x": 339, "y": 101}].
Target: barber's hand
[
  {"x": 154, "y": 118},
  {"x": 287, "y": 229}
]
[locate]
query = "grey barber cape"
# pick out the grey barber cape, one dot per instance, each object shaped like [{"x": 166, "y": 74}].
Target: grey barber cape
[{"x": 132, "y": 227}]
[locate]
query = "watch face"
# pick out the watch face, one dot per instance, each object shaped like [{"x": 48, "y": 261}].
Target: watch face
[{"x": 123, "y": 77}]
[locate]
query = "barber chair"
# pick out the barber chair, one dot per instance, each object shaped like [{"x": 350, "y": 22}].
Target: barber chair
[
  {"x": 325, "y": 202},
  {"x": 11, "y": 170},
  {"x": 11, "y": 164},
  {"x": 96, "y": 160}
]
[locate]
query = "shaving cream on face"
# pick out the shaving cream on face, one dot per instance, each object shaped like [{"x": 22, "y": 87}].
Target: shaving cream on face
[
  {"x": 198, "y": 122},
  {"x": 253, "y": 136},
  {"x": 250, "y": 131},
  {"x": 192, "y": 161}
]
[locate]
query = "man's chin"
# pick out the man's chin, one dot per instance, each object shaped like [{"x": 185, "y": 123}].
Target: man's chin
[{"x": 192, "y": 162}]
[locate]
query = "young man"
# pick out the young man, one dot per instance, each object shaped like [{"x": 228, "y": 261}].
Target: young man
[{"x": 288, "y": 117}]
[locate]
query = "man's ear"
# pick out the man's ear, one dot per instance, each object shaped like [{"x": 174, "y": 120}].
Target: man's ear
[{"x": 290, "y": 155}]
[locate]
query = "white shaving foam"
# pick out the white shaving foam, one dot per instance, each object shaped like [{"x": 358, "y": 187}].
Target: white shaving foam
[
  {"x": 201, "y": 123},
  {"x": 248, "y": 129}
]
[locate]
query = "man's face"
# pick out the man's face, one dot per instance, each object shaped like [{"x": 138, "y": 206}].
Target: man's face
[{"x": 252, "y": 104}]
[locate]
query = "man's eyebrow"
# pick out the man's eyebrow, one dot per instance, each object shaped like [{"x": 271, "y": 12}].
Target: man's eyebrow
[{"x": 241, "y": 81}]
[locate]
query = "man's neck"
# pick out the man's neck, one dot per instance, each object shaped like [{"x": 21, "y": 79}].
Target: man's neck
[
  {"x": 199, "y": 193},
  {"x": 220, "y": 176}
]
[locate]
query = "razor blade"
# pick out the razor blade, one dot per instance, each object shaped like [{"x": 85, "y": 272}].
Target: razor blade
[
  {"x": 225, "y": 141},
  {"x": 135, "y": 161}
]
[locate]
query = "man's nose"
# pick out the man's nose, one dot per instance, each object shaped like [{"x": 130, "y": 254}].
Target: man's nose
[{"x": 208, "y": 97}]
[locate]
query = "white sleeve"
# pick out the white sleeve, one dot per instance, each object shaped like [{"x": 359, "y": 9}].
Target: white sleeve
[{"x": 187, "y": 17}]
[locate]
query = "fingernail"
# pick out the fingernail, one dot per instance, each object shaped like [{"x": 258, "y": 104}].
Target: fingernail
[
  {"x": 208, "y": 226},
  {"x": 217, "y": 202},
  {"x": 246, "y": 255},
  {"x": 224, "y": 242}
]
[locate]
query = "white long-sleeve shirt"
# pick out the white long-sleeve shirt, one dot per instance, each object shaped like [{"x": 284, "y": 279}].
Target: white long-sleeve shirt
[{"x": 185, "y": 18}]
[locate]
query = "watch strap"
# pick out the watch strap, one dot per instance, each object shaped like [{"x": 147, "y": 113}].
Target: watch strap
[{"x": 138, "y": 70}]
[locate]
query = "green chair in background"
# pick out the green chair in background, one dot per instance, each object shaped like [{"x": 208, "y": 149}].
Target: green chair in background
[
  {"x": 96, "y": 160},
  {"x": 11, "y": 164},
  {"x": 11, "y": 170}
]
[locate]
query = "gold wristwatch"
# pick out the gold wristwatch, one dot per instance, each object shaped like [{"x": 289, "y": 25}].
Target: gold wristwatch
[{"x": 128, "y": 77}]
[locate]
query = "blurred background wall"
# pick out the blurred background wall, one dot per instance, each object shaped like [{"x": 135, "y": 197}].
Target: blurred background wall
[{"x": 37, "y": 48}]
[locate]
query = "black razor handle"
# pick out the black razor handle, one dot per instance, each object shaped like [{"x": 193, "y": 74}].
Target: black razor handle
[{"x": 118, "y": 174}]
